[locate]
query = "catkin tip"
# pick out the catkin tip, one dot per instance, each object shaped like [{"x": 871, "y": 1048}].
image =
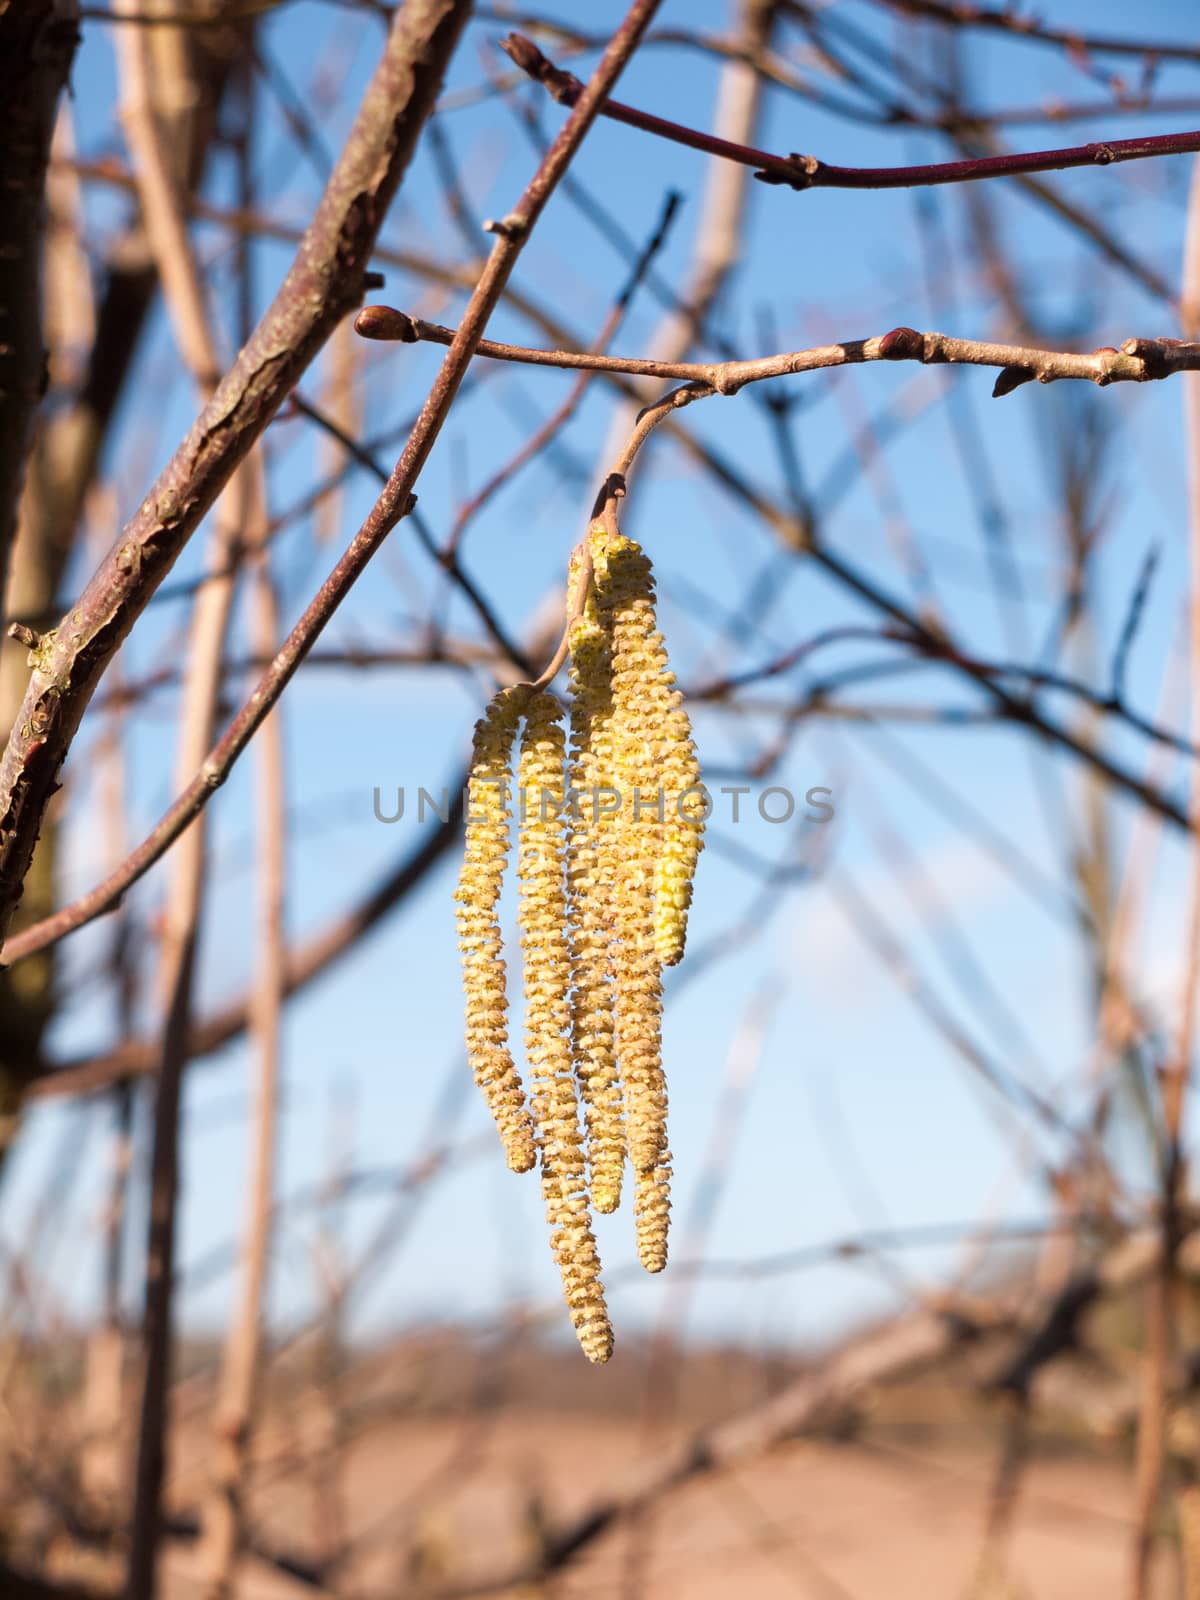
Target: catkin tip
[
  {"x": 597, "y": 1346},
  {"x": 652, "y": 1211}
]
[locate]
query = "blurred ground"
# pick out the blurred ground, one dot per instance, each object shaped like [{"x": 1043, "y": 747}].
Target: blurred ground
[
  {"x": 811, "y": 1519},
  {"x": 438, "y": 1462},
  {"x": 456, "y": 1456}
]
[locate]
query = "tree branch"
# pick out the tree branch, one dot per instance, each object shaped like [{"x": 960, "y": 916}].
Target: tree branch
[
  {"x": 807, "y": 172},
  {"x": 324, "y": 282},
  {"x": 37, "y": 45},
  {"x": 1137, "y": 361}
]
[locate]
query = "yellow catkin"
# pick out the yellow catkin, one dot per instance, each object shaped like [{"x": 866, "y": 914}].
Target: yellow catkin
[
  {"x": 651, "y": 1211},
  {"x": 625, "y": 602},
  {"x": 683, "y": 831},
  {"x": 591, "y": 866},
  {"x": 478, "y": 895},
  {"x": 544, "y": 943}
]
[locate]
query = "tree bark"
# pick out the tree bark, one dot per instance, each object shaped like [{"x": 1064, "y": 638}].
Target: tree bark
[{"x": 37, "y": 45}]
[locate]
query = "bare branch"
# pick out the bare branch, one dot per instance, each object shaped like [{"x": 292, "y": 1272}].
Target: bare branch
[
  {"x": 807, "y": 172},
  {"x": 1137, "y": 361},
  {"x": 324, "y": 282}
]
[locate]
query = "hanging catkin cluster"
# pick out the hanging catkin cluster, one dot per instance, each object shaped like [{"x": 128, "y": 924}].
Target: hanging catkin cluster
[{"x": 610, "y": 827}]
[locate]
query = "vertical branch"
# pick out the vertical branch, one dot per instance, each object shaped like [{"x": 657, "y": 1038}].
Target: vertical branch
[
  {"x": 1175, "y": 1083},
  {"x": 157, "y": 176},
  {"x": 224, "y": 1514},
  {"x": 225, "y": 1511},
  {"x": 37, "y": 44},
  {"x": 180, "y": 932},
  {"x": 171, "y": 247},
  {"x": 1162, "y": 1293},
  {"x": 424, "y": 33},
  {"x": 91, "y": 356},
  {"x": 105, "y": 1361},
  {"x": 343, "y": 405},
  {"x": 329, "y": 1500},
  {"x": 27, "y": 998}
]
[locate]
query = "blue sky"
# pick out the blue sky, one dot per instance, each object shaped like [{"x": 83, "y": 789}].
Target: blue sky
[{"x": 858, "y": 1117}]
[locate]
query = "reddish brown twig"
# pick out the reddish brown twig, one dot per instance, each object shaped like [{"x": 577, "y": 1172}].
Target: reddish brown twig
[{"x": 807, "y": 172}]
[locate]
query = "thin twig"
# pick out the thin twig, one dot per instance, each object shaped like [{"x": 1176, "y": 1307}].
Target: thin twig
[
  {"x": 807, "y": 172},
  {"x": 1137, "y": 360}
]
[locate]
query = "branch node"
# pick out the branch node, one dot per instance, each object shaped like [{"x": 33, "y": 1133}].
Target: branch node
[
  {"x": 1104, "y": 376},
  {"x": 724, "y": 378},
  {"x": 794, "y": 171},
  {"x": 511, "y": 227},
  {"x": 1154, "y": 354}
]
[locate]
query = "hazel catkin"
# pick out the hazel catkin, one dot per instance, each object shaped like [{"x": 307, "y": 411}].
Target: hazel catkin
[
  {"x": 651, "y": 1212},
  {"x": 610, "y": 831},
  {"x": 590, "y": 877},
  {"x": 625, "y": 603},
  {"x": 547, "y": 960},
  {"x": 478, "y": 894},
  {"x": 685, "y": 810}
]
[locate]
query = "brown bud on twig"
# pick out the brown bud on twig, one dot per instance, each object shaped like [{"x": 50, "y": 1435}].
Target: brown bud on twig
[
  {"x": 902, "y": 344},
  {"x": 385, "y": 322},
  {"x": 1011, "y": 378},
  {"x": 563, "y": 86}
]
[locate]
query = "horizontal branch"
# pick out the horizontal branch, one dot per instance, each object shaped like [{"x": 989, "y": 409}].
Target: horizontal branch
[
  {"x": 1137, "y": 360},
  {"x": 807, "y": 172}
]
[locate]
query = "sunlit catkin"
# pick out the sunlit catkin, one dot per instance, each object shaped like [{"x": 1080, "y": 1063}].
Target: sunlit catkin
[
  {"x": 625, "y": 601},
  {"x": 685, "y": 809},
  {"x": 591, "y": 869},
  {"x": 651, "y": 1212},
  {"x": 478, "y": 895},
  {"x": 541, "y": 869}
]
